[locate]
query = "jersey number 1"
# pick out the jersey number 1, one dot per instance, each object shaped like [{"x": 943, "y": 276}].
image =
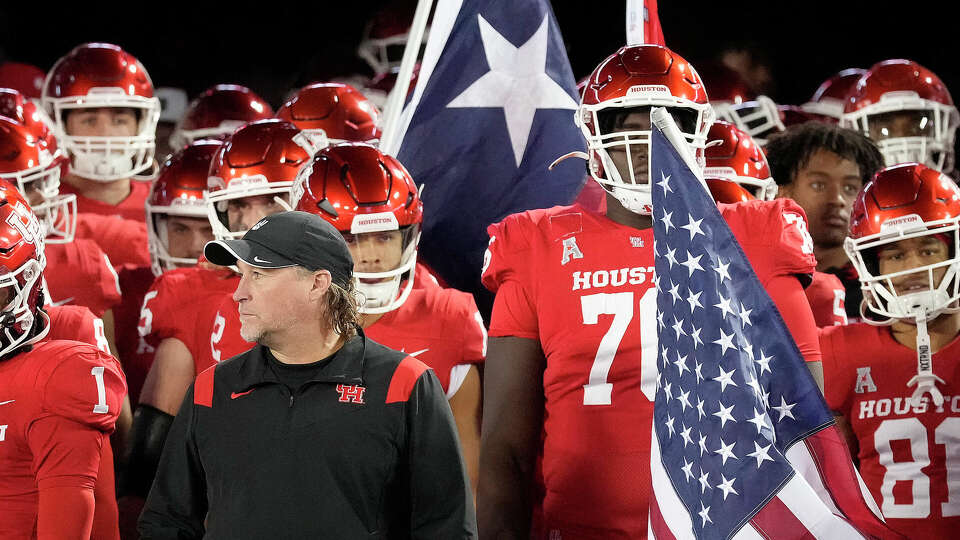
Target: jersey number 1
[{"x": 101, "y": 407}]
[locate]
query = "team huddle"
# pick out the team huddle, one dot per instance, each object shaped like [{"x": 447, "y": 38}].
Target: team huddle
[{"x": 844, "y": 206}]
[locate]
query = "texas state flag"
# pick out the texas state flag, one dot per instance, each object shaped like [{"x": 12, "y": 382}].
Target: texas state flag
[{"x": 492, "y": 109}]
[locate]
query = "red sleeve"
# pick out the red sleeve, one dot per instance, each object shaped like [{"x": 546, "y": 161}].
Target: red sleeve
[
  {"x": 473, "y": 331},
  {"x": 513, "y": 313},
  {"x": 66, "y": 460},
  {"x": 787, "y": 293},
  {"x": 774, "y": 237},
  {"x": 104, "y": 285},
  {"x": 505, "y": 273},
  {"x": 86, "y": 386},
  {"x": 837, "y": 381},
  {"x": 106, "y": 518},
  {"x": 124, "y": 240}
]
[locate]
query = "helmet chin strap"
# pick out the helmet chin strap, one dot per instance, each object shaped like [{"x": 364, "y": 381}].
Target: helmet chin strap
[{"x": 925, "y": 379}]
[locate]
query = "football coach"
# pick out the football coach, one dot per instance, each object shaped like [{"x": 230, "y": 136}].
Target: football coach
[{"x": 316, "y": 432}]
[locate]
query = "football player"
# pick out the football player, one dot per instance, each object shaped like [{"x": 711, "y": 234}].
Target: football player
[
  {"x": 60, "y": 399},
  {"x": 249, "y": 177},
  {"x": 562, "y": 378},
  {"x": 335, "y": 111},
  {"x": 77, "y": 271},
  {"x": 177, "y": 228},
  {"x": 907, "y": 110},
  {"x": 733, "y": 155},
  {"x": 101, "y": 101},
  {"x": 822, "y": 168},
  {"x": 895, "y": 377}
]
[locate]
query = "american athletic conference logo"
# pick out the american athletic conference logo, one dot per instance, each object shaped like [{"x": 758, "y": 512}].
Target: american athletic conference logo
[{"x": 351, "y": 393}]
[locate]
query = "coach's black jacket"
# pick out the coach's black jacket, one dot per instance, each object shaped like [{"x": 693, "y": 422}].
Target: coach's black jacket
[{"x": 246, "y": 459}]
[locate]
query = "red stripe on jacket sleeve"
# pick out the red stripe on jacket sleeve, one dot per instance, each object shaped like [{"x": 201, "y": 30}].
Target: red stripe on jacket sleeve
[
  {"x": 404, "y": 379},
  {"x": 203, "y": 388}
]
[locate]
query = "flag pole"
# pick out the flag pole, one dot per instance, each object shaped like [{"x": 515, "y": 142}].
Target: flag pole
[
  {"x": 635, "y": 22},
  {"x": 411, "y": 51}
]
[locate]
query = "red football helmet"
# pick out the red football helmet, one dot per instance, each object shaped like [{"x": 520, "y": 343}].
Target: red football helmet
[
  {"x": 25, "y": 78},
  {"x": 829, "y": 98},
  {"x": 907, "y": 110},
  {"x": 179, "y": 190},
  {"x": 639, "y": 76},
  {"x": 362, "y": 191},
  {"x": 725, "y": 191},
  {"x": 98, "y": 75},
  {"x": 261, "y": 158},
  {"x": 15, "y": 106},
  {"x": 218, "y": 112},
  {"x": 27, "y": 162},
  {"x": 385, "y": 38},
  {"x": 732, "y": 155},
  {"x": 335, "y": 111},
  {"x": 21, "y": 271},
  {"x": 900, "y": 202}
]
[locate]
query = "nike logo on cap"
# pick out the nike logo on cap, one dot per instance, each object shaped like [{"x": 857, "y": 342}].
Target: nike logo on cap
[
  {"x": 235, "y": 395},
  {"x": 63, "y": 302},
  {"x": 259, "y": 260},
  {"x": 8, "y": 401},
  {"x": 415, "y": 354}
]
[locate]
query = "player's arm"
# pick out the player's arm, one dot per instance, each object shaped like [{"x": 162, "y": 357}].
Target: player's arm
[
  {"x": 67, "y": 458},
  {"x": 849, "y": 436},
  {"x": 510, "y": 436},
  {"x": 787, "y": 293},
  {"x": 109, "y": 332},
  {"x": 466, "y": 407},
  {"x": 177, "y": 504},
  {"x": 167, "y": 381},
  {"x": 441, "y": 505}
]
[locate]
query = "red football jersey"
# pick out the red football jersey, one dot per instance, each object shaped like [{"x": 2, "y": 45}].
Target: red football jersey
[
  {"x": 441, "y": 327},
  {"x": 827, "y": 295},
  {"x": 133, "y": 207},
  {"x": 582, "y": 286},
  {"x": 80, "y": 273},
  {"x": 909, "y": 454},
  {"x": 180, "y": 303},
  {"x": 134, "y": 352},
  {"x": 124, "y": 240},
  {"x": 51, "y": 399}
]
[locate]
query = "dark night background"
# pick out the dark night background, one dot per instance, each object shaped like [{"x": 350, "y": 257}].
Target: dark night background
[{"x": 273, "y": 48}]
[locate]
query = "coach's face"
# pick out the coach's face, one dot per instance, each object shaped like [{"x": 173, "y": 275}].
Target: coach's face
[{"x": 271, "y": 300}]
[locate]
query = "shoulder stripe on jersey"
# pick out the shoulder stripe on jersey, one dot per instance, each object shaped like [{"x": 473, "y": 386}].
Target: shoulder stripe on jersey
[
  {"x": 203, "y": 388},
  {"x": 404, "y": 379}
]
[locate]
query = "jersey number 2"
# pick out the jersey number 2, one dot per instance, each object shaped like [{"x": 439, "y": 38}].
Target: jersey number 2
[{"x": 598, "y": 391}]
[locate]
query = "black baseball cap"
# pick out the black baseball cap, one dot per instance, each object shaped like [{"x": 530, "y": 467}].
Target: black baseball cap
[{"x": 284, "y": 240}]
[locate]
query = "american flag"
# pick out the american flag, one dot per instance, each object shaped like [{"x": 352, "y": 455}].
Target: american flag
[
  {"x": 492, "y": 109},
  {"x": 743, "y": 443}
]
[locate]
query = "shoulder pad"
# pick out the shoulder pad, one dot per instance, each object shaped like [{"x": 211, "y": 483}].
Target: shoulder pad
[{"x": 85, "y": 384}]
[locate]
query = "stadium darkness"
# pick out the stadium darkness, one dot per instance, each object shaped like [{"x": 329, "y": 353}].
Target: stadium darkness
[{"x": 273, "y": 47}]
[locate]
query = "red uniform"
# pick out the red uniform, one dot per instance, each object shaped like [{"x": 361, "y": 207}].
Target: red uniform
[
  {"x": 582, "y": 286},
  {"x": 909, "y": 455},
  {"x": 79, "y": 273},
  {"x": 132, "y": 207},
  {"x": 135, "y": 353},
  {"x": 60, "y": 400},
  {"x": 124, "y": 240},
  {"x": 78, "y": 323},
  {"x": 441, "y": 327},
  {"x": 826, "y": 295},
  {"x": 180, "y": 303}
]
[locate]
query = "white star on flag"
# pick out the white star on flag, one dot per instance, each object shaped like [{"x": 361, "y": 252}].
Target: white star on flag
[
  {"x": 666, "y": 219},
  {"x": 727, "y": 486},
  {"x": 725, "y": 378},
  {"x": 724, "y": 414},
  {"x": 693, "y": 226},
  {"x": 665, "y": 183},
  {"x": 784, "y": 409},
  {"x": 761, "y": 453},
  {"x": 517, "y": 82},
  {"x": 692, "y": 263}
]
